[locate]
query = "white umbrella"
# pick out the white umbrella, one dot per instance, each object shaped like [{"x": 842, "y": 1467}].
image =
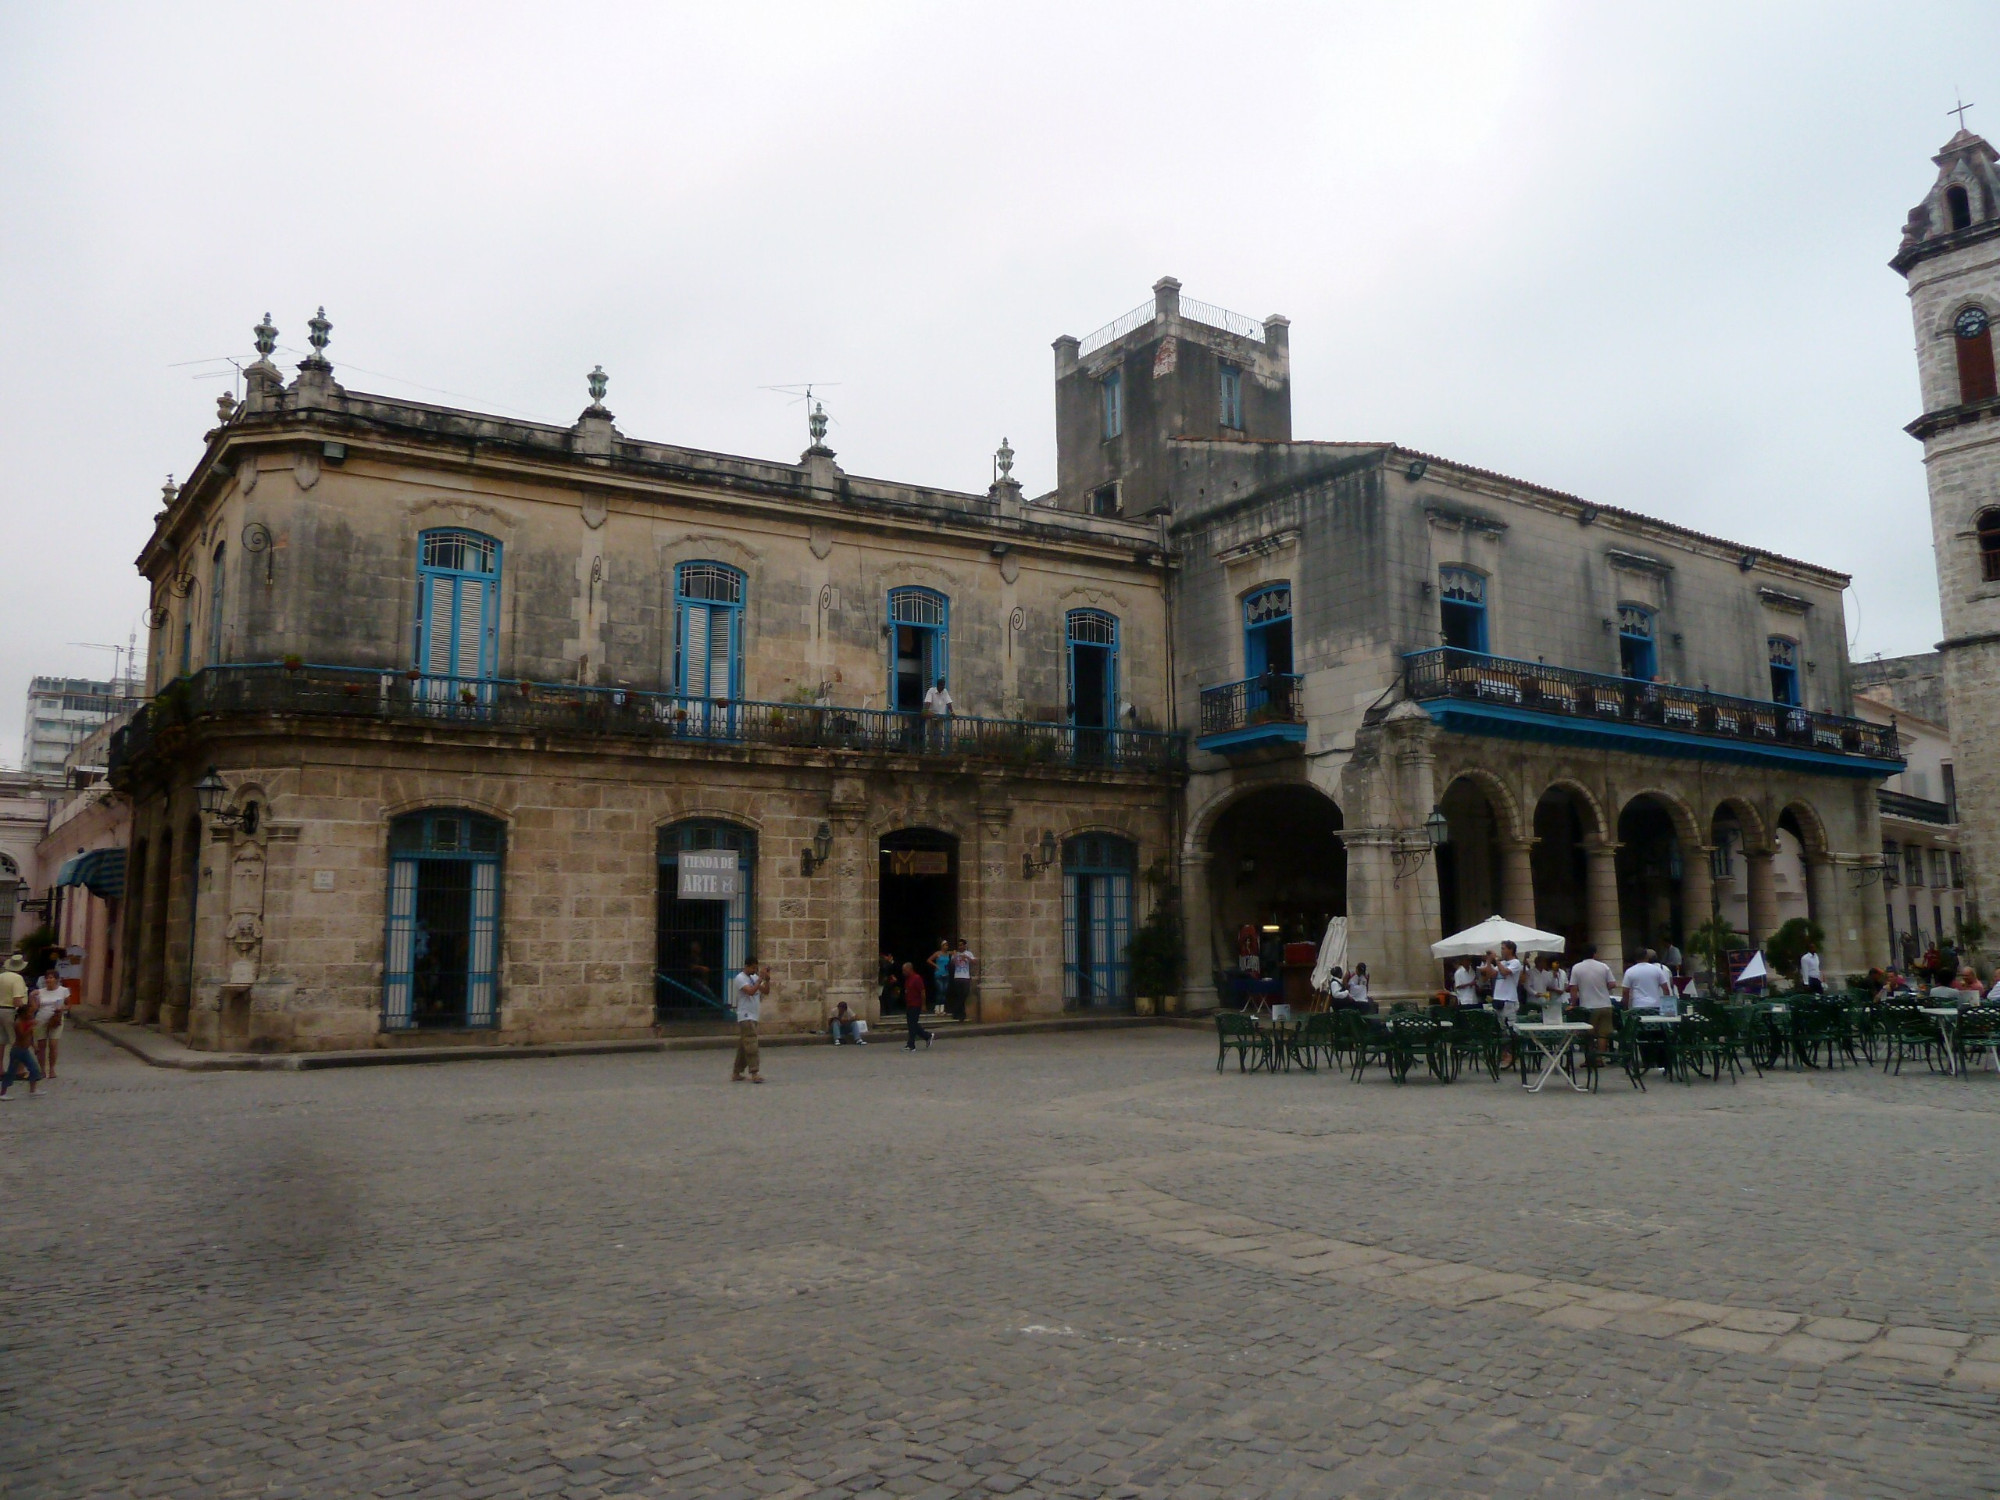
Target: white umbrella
[
  {"x": 1332, "y": 951},
  {"x": 1475, "y": 942}
]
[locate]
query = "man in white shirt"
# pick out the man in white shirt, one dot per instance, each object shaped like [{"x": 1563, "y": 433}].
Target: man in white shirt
[
  {"x": 1465, "y": 983},
  {"x": 962, "y": 960},
  {"x": 1507, "y": 984},
  {"x": 1590, "y": 982},
  {"x": 1809, "y": 972},
  {"x": 750, "y": 987},
  {"x": 1649, "y": 986}
]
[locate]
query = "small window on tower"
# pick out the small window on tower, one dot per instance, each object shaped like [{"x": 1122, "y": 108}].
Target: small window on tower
[
  {"x": 1104, "y": 500},
  {"x": 1114, "y": 405},
  {"x": 1988, "y": 524},
  {"x": 1960, "y": 206},
  {"x": 1974, "y": 339},
  {"x": 1232, "y": 397}
]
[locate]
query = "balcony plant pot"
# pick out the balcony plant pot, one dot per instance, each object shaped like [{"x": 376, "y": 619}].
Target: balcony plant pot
[
  {"x": 351, "y": 689},
  {"x": 295, "y": 663},
  {"x": 1144, "y": 1005}
]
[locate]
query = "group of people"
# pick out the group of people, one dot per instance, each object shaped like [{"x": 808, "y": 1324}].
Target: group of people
[
  {"x": 904, "y": 987},
  {"x": 1505, "y": 980},
  {"x": 31, "y": 1023}
]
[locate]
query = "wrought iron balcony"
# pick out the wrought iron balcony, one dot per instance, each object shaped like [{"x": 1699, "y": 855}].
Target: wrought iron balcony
[
  {"x": 567, "y": 709},
  {"x": 1916, "y": 809},
  {"x": 1258, "y": 711},
  {"x": 1494, "y": 695}
]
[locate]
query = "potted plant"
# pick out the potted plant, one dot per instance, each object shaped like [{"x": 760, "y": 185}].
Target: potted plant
[
  {"x": 1155, "y": 957},
  {"x": 295, "y": 663}
]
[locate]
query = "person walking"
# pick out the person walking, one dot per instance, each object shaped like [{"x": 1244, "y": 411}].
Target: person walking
[
  {"x": 51, "y": 1001},
  {"x": 962, "y": 961},
  {"x": 913, "y": 1007},
  {"x": 1809, "y": 975},
  {"x": 1590, "y": 980},
  {"x": 19, "y": 1048},
  {"x": 751, "y": 985},
  {"x": 13, "y": 995},
  {"x": 1507, "y": 970}
]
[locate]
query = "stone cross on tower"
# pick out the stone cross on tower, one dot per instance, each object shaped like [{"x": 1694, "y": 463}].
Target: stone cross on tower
[{"x": 1960, "y": 109}]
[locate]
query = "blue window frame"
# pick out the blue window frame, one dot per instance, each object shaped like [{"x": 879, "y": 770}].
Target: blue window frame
[
  {"x": 1232, "y": 396},
  {"x": 919, "y": 646},
  {"x": 1462, "y": 609},
  {"x": 1784, "y": 655},
  {"x": 215, "y": 574},
  {"x": 1097, "y": 920},
  {"x": 1638, "y": 656},
  {"x": 702, "y": 943},
  {"x": 1267, "y": 630},
  {"x": 708, "y": 631},
  {"x": 458, "y": 611},
  {"x": 442, "y": 963},
  {"x": 1093, "y": 669},
  {"x": 1114, "y": 404}
]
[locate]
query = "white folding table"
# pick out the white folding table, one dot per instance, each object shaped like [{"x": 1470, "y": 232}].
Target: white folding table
[{"x": 1553, "y": 1040}]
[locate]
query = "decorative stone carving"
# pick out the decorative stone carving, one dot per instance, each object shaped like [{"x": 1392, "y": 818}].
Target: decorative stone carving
[
  {"x": 305, "y": 469},
  {"x": 594, "y": 509},
  {"x": 820, "y": 539}
]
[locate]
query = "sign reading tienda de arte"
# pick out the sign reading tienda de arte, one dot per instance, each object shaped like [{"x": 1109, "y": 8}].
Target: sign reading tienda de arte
[{"x": 713, "y": 876}]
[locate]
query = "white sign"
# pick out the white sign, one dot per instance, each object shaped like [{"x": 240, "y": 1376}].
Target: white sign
[
  {"x": 322, "y": 880},
  {"x": 713, "y": 876}
]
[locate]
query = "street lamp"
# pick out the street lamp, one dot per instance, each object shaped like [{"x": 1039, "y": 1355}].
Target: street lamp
[
  {"x": 821, "y": 850},
  {"x": 1031, "y": 866},
  {"x": 211, "y": 792},
  {"x": 1410, "y": 857}
]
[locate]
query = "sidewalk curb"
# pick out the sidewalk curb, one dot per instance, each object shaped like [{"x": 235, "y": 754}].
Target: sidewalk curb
[{"x": 157, "y": 1051}]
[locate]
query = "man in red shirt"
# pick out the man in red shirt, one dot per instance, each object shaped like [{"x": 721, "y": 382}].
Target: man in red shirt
[{"x": 913, "y": 1007}]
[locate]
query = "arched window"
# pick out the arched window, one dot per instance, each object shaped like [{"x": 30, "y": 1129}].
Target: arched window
[
  {"x": 919, "y": 646},
  {"x": 707, "y": 880},
  {"x": 1093, "y": 669},
  {"x": 458, "y": 609},
  {"x": 1097, "y": 920},
  {"x": 1987, "y": 524},
  {"x": 708, "y": 631},
  {"x": 1267, "y": 631},
  {"x": 1972, "y": 338},
  {"x": 215, "y": 608},
  {"x": 1784, "y": 654},
  {"x": 1462, "y": 609},
  {"x": 1959, "y": 205},
  {"x": 1638, "y": 657},
  {"x": 443, "y": 952}
]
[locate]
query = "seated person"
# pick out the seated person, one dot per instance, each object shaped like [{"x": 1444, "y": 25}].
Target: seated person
[{"x": 847, "y": 1026}]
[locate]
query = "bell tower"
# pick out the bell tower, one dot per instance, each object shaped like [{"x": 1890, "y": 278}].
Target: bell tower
[{"x": 1950, "y": 257}]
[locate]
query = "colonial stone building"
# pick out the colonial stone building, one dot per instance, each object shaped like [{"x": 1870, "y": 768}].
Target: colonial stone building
[
  {"x": 1619, "y": 723},
  {"x": 1950, "y": 257},
  {"x": 540, "y": 731},
  {"x": 537, "y": 731}
]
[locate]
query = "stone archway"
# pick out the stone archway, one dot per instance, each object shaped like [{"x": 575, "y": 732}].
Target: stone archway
[
  {"x": 1275, "y": 861},
  {"x": 1654, "y": 843},
  {"x": 1566, "y": 830}
]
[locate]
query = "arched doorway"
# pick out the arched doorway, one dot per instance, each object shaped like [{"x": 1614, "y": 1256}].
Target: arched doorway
[
  {"x": 1649, "y": 878},
  {"x": 707, "y": 908},
  {"x": 1468, "y": 862},
  {"x": 918, "y": 896},
  {"x": 1561, "y": 863},
  {"x": 1277, "y": 873}
]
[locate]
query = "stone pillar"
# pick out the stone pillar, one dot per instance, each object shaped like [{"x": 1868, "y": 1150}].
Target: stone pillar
[
  {"x": 1605, "y": 930},
  {"x": 1697, "y": 891},
  {"x": 997, "y": 909},
  {"x": 1874, "y": 917},
  {"x": 846, "y": 888},
  {"x": 1763, "y": 895},
  {"x": 1517, "y": 883},
  {"x": 1198, "y": 956}
]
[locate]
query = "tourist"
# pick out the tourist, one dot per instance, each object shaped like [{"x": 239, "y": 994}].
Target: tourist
[
  {"x": 913, "y": 1007},
  {"x": 1967, "y": 985},
  {"x": 19, "y": 1049},
  {"x": 1357, "y": 988},
  {"x": 847, "y": 1026},
  {"x": 1507, "y": 971},
  {"x": 751, "y": 986},
  {"x": 13, "y": 995},
  {"x": 1336, "y": 988},
  {"x": 51, "y": 1001},
  {"x": 940, "y": 974},
  {"x": 1809, "y": 971},
  {"x": 1671, "y": 954},
  {"x": 962, "y": 960},
  {"x": 1928, "y": 964},
  {"x": 1465, "y": 983},
  {"x": 1648, "y": 986},
  {"x": 1590, "y": 981}
]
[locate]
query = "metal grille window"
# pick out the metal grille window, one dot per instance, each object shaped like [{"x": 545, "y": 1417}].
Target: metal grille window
[
  {"x": 1913, "y": 865},
  {"x": 1098, "y": 874},
  {"x": 1957, "y": 872},
  {"x": 1093, "y": 674},
  {"x": 442, "y": 963},
  {"x": 702, "y": 942},
  {"x": 461, "y": 552},
  {"x": 1892, "y": 862},
  {"x": 1938, "y": 876}
]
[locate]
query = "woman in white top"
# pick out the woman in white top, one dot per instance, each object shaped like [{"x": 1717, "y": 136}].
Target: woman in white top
[
  {"x": 1465, "y": 983},
  {"x": 51, "y": 1000},
  {"x": 1357, "y": 986}
]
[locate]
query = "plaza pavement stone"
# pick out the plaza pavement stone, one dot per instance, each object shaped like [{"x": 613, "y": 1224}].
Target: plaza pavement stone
[{"x": 1077, "y": 1265}]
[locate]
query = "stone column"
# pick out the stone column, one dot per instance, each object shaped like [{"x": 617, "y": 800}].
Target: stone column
[
  {"x": 1198, "y": 956},
  {"x": 1825, "y": 905},
  {"x": 997, "y": 909},
  {"x": 1763, "y": 895},
  {"x": 1605, "y": 930},
  {"x": 845, "y": 889},
  {"x": 1697, "y": 891},
  {"x": 1874, "y": 924},
  {"x": 1517, "y": 883}
]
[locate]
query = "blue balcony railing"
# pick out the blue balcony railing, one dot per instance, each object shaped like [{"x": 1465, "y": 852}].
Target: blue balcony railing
[
  {"x": 559, "y": 708},
  {"x": 1524, "y": 691},
  {"x": 1270, "y": 707}
]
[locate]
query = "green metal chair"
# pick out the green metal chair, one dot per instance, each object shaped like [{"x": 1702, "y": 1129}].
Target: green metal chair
[{"x": 1241, "y": 1035}]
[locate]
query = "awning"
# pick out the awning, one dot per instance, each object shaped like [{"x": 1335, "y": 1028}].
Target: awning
[{"x": 101, "y": 872}]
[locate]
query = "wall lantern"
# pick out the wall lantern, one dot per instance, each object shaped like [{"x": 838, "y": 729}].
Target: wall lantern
[
  {"x": 211, "y": 792},
  {"x": 1031, "y": 866},
  {"x": 820, "y": 852},
  {"x": 1410, "y": 857}
]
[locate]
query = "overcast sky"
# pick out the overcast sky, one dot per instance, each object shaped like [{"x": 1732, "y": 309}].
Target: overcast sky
[{"x": 1634, "y": 252}]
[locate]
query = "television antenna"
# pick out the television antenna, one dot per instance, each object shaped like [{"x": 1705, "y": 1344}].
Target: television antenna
[{"x": 816, "y": 417}]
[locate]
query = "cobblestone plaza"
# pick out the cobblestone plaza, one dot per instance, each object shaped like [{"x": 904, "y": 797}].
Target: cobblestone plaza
[{"x": 1073, "y": 1264}]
